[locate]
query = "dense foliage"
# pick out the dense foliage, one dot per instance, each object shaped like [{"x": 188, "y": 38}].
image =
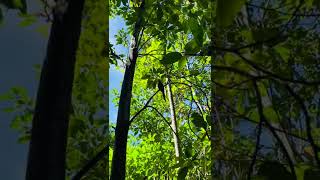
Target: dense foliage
[{"x": 243, "y": 77}]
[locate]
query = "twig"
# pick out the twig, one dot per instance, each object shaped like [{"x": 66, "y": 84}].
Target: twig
[
  {"x": 143, "y": 108},
  {"x": 91, "y": 163},
  {"x": 162, "y": 118}
]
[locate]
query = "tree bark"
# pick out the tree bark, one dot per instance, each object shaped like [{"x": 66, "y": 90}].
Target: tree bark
[
  {"x": 118, "y": 169},
  {"x": 173, "y": 121},
  {"x": 47, "y": 149}
]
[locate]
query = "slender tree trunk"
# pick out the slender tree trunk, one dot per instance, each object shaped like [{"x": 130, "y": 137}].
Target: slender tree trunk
[
  {"x": 47, "y": 149},
  {"x": 285, "y": 141},
  {"x": 118, "y": 170},
  {"x": 173, "y": 121}
]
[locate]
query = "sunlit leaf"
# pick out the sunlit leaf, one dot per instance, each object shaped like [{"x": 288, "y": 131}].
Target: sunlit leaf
[{"x": 182, "y": 62}]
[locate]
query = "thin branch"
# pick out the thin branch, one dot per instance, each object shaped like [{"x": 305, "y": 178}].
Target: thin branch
[
  {"x": 162, "y": 118},
  {"x": 144, "y": 107},
  {"x": 91, "y": 163}
]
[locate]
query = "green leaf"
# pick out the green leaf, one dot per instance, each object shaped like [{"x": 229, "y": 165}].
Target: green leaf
[
  {"x": 196, "y": 30},
  {"x": 198, "y": 120},
  {"x": 27, "y": 21},
  {"x": 182, "y": 62},
  {"x": 5, "y": 97},
  {"x": 171, "y": 58},
  {"x": 300, "y": 169},
  {"x": 284, "y": 52},
  {"x": 16, "y": 122},
  {"x": 24, "y": 139},
  {"x": 8, "y": 109},
  {"x": 73, "y": 157},
  {"x": 192, "y": 47},
  {"x": 227, "y": 11}
]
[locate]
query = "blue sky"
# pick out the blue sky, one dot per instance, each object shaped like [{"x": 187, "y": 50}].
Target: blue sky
[
  {"x": 20, "y": 49},
  {"x": 115, "y": 76}
]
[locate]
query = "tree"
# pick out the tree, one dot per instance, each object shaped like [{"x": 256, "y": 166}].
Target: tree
[
  {"x": 145, "y": 15},
  {"x": 242, "y": 81},
  {"x": 48, "y": 142},
  {"x": 88, "y": 127}
]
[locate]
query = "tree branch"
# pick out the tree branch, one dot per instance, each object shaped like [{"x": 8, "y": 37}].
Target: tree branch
[
  {"x": 162, "y": 117},
  {"x": 91, "y": 163},
  {"x": 144, "y": 107}
]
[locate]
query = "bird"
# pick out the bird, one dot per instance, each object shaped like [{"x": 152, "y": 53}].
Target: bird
[{"x": 161, "y": 88}]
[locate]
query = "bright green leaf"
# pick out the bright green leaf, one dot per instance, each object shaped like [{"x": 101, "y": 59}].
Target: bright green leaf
[{"x": 182, "y": 62}]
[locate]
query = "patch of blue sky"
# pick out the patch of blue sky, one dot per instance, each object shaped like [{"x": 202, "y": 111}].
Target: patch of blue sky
[
  {"x": 21, "y": 48},
  {"x": 115, "y": 74}
]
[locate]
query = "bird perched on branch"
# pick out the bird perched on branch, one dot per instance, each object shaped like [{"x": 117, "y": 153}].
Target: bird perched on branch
[{"x": 161, "y": 88}]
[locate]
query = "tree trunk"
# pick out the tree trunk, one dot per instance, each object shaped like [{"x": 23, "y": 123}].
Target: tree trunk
[
  {"x": 173, "y": 121},
  {"x": 121, "y": 133},
  {"x": 118, "y": 170},
  {"x": 47, "y": 149}
]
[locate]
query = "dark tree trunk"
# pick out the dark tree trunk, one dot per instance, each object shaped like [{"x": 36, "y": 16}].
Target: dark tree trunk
[
  {"x": 118, "y": 171},
  {"x": 123, "y": 119},
  {"x": 47, "y": 150}
]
